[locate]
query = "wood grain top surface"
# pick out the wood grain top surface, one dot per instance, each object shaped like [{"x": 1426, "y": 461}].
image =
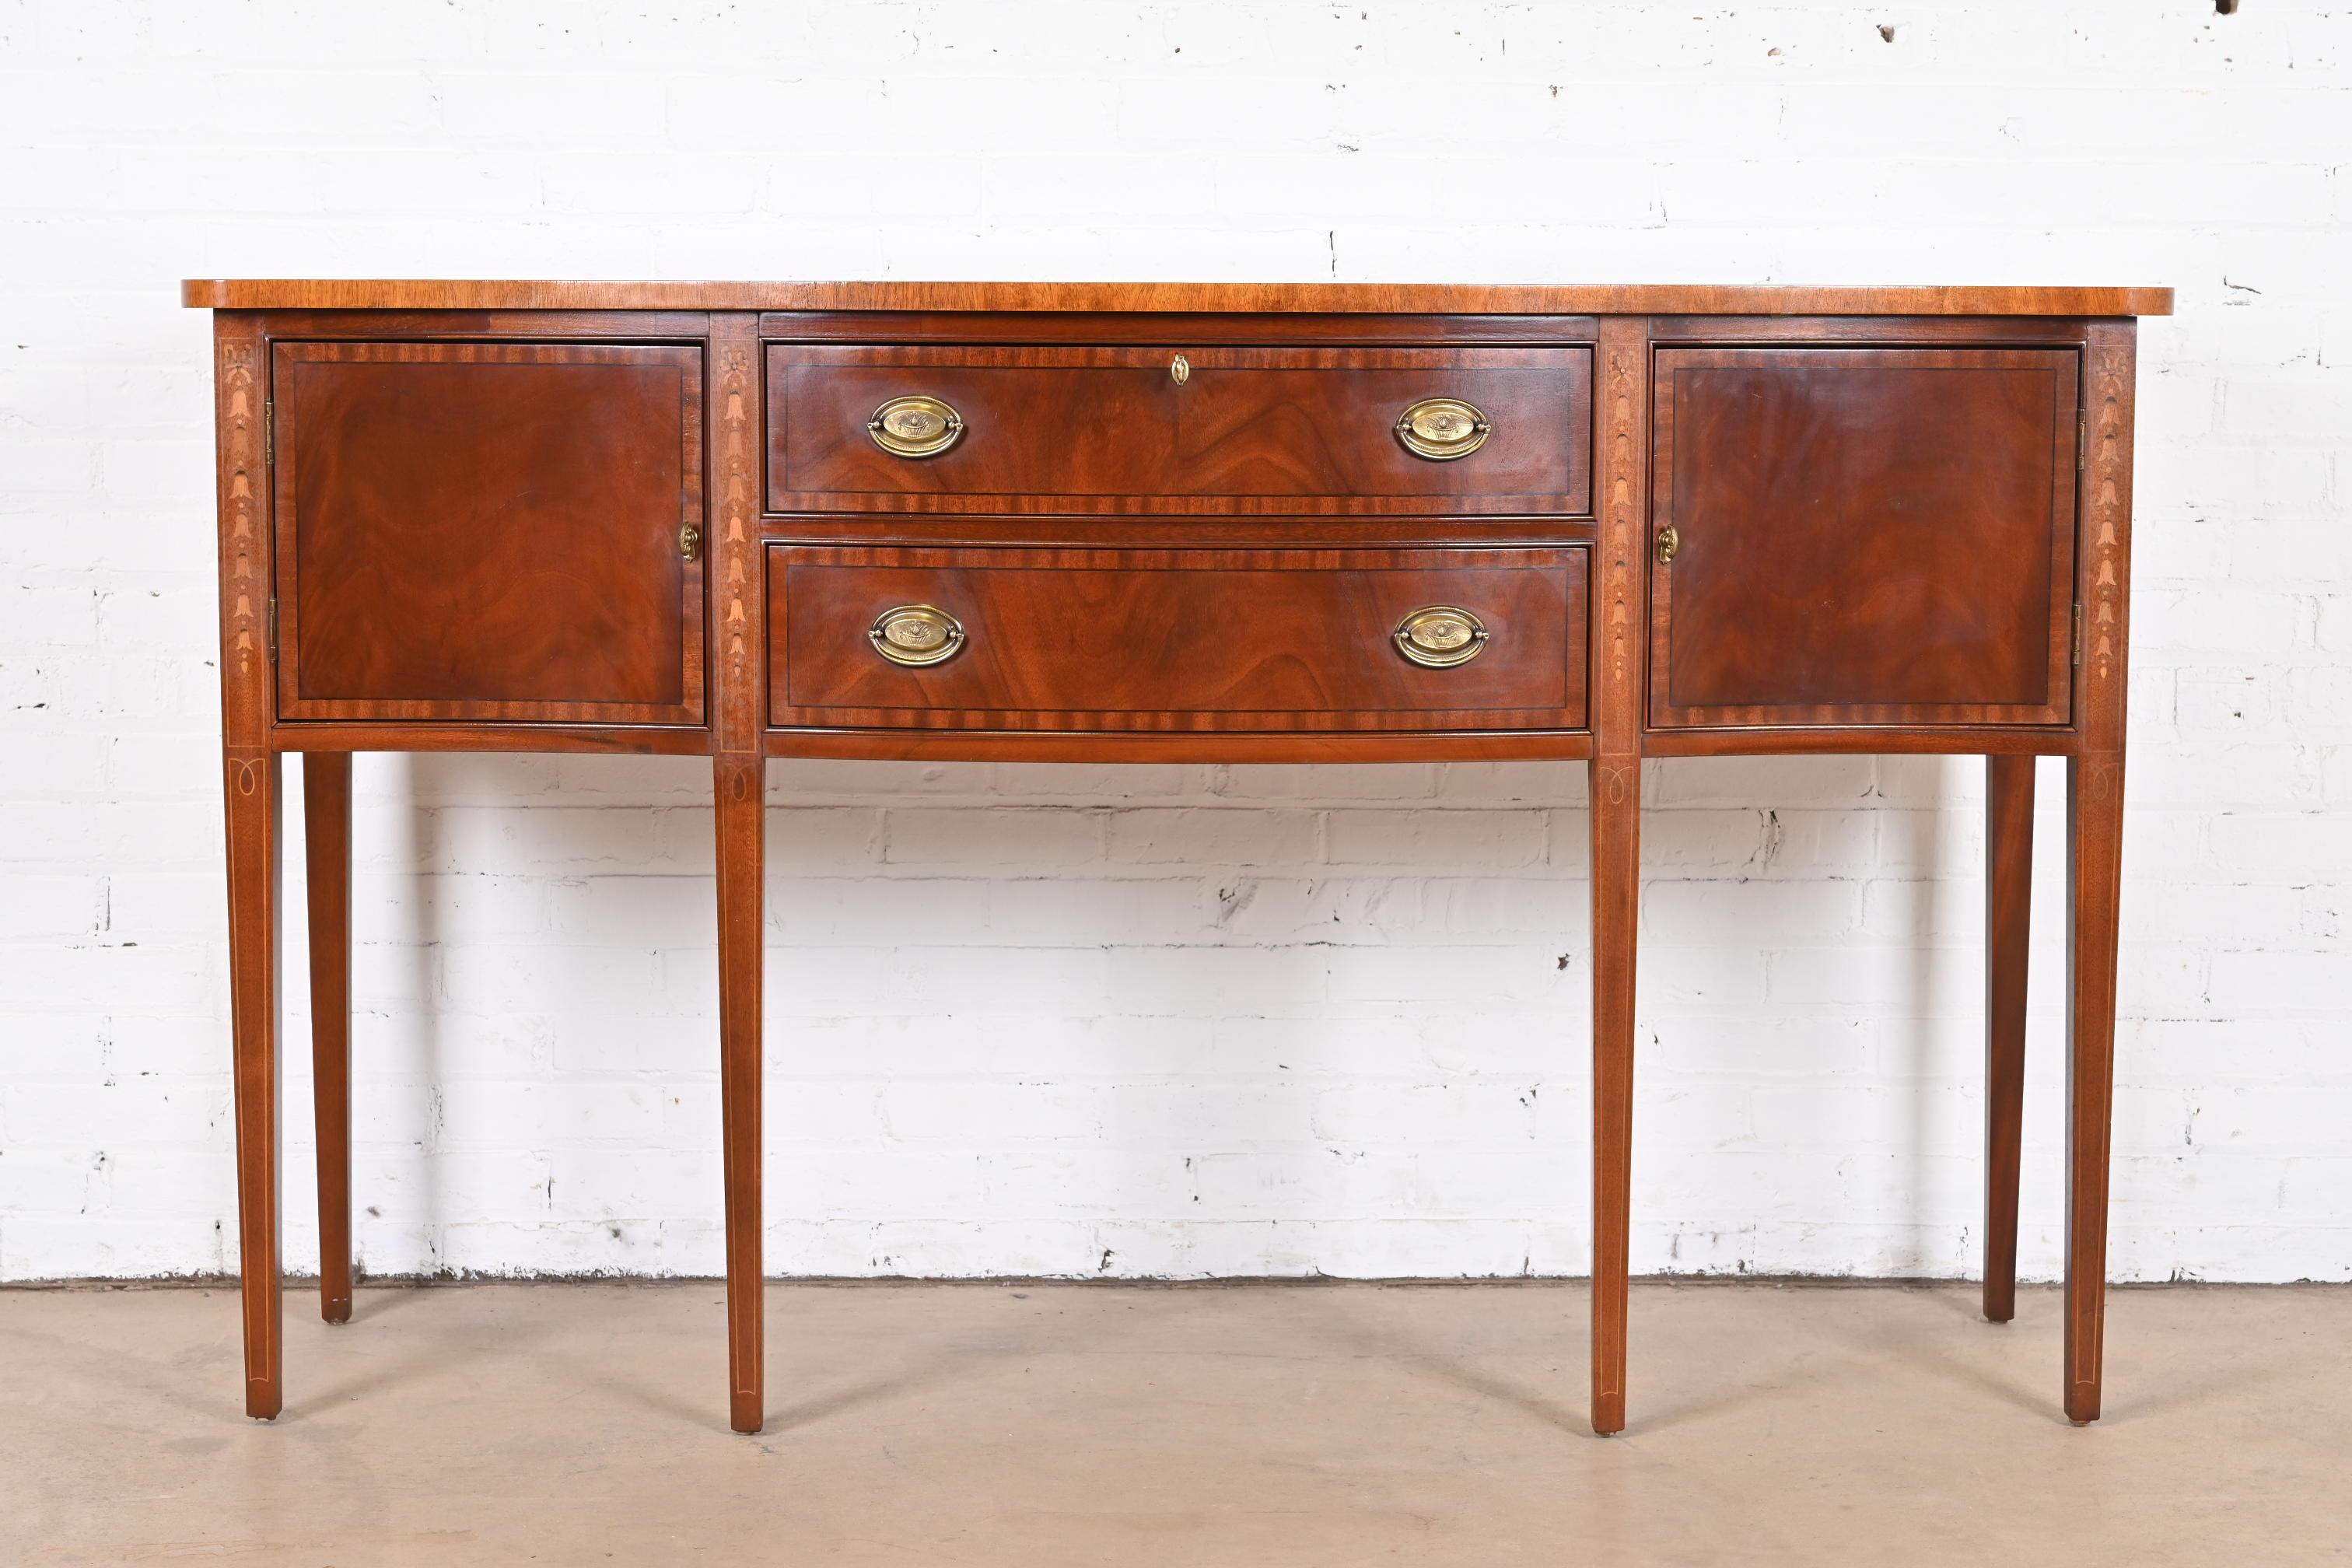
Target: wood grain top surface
[{"x": 1408, "y": 298}]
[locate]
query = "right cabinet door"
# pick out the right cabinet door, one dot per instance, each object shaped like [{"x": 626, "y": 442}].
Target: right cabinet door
[{"x": 1862, "y": 536}]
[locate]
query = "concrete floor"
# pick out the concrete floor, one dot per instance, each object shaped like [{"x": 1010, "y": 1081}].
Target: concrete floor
[{"x": 1106, "y": 1425}]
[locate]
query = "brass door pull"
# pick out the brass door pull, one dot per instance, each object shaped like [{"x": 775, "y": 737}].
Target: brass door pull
[
  {"x": 1441, "y": 636},
  {"x": 916, "y": 634},
  {"x": 915, "y": 427},
  {"x": 689, "y": 542},
  {"x": 1442, "y": 428},
  {"x": 1668, "y": 543}
]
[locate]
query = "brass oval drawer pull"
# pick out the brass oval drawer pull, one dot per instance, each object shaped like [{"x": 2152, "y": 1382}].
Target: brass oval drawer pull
[
  {"x": 916, "y": 634},
  {"x": 915, "y": 427},
  {"x": 1442, "y": 428},
  {"x": 1441, "y": 636}
]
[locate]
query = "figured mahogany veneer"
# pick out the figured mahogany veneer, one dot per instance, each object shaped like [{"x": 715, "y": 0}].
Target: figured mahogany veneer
[
  {"x": 489, "y": 531},
  {"x": 1177, "y": 640},
  {"x": 1863, "y": 536},
  {"x": 1113, "y": 430},
  {"x": 649, "y": 519}
]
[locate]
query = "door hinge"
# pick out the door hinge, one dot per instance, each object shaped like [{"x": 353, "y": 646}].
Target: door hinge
[
  {"x": 272, "y": 614},
  {"x": 269, "y": 432},
  {"x": 2078, "y": 634},
  {"x": 2082, "y": 439}
]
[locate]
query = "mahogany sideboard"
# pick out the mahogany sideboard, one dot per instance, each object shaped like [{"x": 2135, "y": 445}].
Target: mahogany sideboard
[{"x": 1158, "y": 522}]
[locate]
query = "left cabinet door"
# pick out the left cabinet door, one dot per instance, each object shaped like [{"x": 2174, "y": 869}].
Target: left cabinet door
[{"x": 489, "y": 532}]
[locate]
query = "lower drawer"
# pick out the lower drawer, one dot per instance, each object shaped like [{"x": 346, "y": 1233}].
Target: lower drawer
[{"x": 1283, "y": 641}]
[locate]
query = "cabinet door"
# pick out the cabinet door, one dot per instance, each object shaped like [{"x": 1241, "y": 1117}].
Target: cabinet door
[
  {"x": 489, "y": 532},
  {"x": 1863, "y": 536}
]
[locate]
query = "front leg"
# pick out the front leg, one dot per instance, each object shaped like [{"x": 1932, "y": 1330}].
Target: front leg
[
  {"x": 251, "y": 796},
  {"x": 254, "y": 810},
  {"x": 2095, "y": 834},
  {"x": 742, "y": 864},
  {"x": 1616, "y": 912},
  {"x": 2094, "y": 822}
]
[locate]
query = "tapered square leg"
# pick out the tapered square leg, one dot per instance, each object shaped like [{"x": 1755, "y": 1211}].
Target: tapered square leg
[
  {"x": 1616, "y": 906},
  {"x": 251, "y": 796},
  {"x": 254, "y": 811},
  {"x": 2009, "y": 894},
  {"x": 742, "y": 857},
  {"x": 2095, "y": 807},
  {"x": 327, "y": 843},
  {"x": 2095, "y": 835}
]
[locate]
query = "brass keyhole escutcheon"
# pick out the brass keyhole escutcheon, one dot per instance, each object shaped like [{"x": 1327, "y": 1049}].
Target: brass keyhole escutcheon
[
  {"x": 1180, "y": 369},
  {"x": 689, "y": 542},
  {"x": 915, "y": 427},
  {"x": 1442, "y": 428},
  {"x": 916, "y": 634},
  {"x": 1669, "y": 542},
  {"x": 1441, "y": 636}
]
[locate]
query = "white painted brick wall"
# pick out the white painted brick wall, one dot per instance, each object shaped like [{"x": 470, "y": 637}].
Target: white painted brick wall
[{"x": 1178, "y": 1020}]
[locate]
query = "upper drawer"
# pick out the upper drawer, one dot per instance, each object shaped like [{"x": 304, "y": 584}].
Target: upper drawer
[{"x": 1178, "y": 428}]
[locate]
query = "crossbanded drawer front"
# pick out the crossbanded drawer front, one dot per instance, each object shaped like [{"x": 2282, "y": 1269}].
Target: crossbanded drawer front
[
  {"x": 1026, "y": 429},
  {"x": 1263, "y": 641}
]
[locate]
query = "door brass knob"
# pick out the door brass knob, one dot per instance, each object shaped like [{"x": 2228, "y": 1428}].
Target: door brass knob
[
  {"x": 689, "y": 542},
  {"x": 1441, "y": 636},
  {"x": 1442, "y": 428},
  {"x": 915, "y": 427},
  {"x": 1668, "y": 543},
  {"x": 916, "y": 634}
]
